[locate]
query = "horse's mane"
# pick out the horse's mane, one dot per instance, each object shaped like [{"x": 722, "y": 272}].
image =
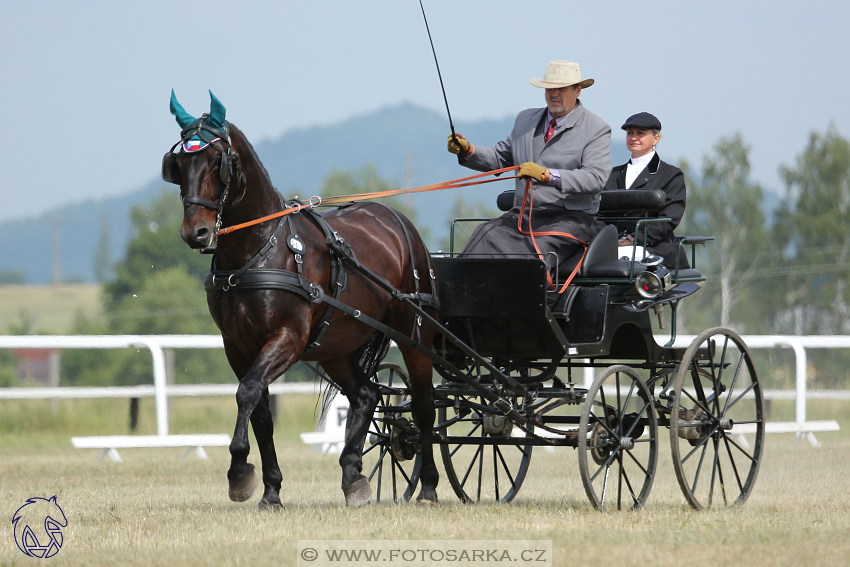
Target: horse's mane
[{"x": 244, "y": 146}]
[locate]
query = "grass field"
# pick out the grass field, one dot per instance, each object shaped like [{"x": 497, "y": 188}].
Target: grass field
[
  {"x": 50, "y": 309},
  {"x": 154, "y": 509}
]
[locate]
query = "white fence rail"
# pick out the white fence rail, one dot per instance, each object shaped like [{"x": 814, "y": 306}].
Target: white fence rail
[{"x": 161, "y": 391}]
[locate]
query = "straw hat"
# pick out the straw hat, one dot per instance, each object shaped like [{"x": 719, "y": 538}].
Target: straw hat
[{"x": 561, "y": 74}]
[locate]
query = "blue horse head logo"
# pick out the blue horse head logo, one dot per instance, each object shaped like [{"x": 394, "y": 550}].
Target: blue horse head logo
[{"x": 38, "y": 527}]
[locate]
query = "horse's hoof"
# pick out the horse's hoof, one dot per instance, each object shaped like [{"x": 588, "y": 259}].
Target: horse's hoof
[
  {"x": 358, "y": 494},
  {"x": 265, "y": 505},
  {"x": 244, "y": 488}
]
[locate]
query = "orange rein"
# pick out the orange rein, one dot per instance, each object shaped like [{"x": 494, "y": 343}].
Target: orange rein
[
  {"x": 456, "y": 183},
  {"x": 529, "y": 196},
  {"x": 339, "y": 199}
]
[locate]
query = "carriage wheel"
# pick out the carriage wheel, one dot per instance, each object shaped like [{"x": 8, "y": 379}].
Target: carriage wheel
[
  {"x": 618, "y": 433},
  {"x": 717, "y": 397},
  {"x": 481, "y": 471},
  {"x": 391, "y": 464}
]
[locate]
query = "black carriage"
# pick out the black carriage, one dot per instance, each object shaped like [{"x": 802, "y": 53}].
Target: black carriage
[{"x": 513, "y": 356}]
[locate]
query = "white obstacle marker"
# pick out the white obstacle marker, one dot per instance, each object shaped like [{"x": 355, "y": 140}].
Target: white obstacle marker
[
  {"x": 329, "y": 436},
  {"x": 111, "y": 443}
]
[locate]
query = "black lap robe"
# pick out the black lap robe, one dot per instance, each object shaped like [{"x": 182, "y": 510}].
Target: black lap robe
[
  {"x": 500, "y": 235},
  {"x": 660, "y": 238}
]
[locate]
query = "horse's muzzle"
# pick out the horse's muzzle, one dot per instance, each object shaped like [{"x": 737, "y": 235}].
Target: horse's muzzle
[{"x": 196, "y": 237}]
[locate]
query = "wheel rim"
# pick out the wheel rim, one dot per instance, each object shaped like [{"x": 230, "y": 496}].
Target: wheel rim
[
  {"x": 717, "y": 400},
  {"x": 392, "y": 478},
  {"x": 618, "y": 440},
  {"x": 480, "y": 472}
]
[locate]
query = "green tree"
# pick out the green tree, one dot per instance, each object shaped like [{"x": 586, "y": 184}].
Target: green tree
[
  {"x": 726, "y": 204},
  {"x": 813, "y": 224},
  {"x": 157, "y": 289},
  {"x": 154, "y": 245}
]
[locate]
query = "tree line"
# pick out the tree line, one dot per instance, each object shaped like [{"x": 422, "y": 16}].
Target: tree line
[{"x": 783, "y": 271}]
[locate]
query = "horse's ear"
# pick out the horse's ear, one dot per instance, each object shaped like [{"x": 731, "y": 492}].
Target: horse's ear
[
  {"x": 183, "y": 117},
  {"x": 217, "y": 112}
]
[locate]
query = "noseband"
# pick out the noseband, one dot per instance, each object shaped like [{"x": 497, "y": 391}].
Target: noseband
[{"x": 208, "y": 135}]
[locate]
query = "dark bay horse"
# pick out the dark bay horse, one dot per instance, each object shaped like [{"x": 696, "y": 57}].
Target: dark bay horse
[{"x": 267, "y": 328}]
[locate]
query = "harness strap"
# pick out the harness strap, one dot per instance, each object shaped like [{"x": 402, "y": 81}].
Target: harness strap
[
  {"x": 264, "y": 279},
  {"x": 203, "y": 202},
  {"x": 339, "y": 277}
]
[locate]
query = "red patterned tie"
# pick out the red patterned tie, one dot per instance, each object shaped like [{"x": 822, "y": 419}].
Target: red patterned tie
[{"x": 550, "y": 132}]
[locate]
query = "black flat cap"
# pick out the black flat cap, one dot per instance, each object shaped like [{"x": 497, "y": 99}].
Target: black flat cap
[{"x": 643, "y": 120}]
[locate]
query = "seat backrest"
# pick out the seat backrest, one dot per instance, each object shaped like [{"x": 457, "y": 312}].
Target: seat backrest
[
  {"x": 631, "y": 199},
  {"x": 603, "y": 248}
]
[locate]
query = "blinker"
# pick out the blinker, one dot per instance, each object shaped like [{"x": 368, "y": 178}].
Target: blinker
[{"x": 170, "y": 170}]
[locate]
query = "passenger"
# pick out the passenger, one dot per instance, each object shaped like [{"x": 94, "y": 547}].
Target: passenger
[
  {"x": 566, "y": 150},
  {"x": 646, "y": 171}
]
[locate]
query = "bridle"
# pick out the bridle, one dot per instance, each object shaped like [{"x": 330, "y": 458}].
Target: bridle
[{"x": 209, "y": 136}]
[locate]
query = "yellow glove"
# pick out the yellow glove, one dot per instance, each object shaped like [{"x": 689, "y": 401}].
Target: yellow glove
[
  {"x": 531, "y": 169},
  {"x": 459, "y": 146}
]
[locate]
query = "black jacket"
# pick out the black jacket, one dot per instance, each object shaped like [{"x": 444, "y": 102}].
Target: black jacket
[{"x": 660, "y": 237}]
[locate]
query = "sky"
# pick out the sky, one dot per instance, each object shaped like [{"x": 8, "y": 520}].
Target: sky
[{"x": 86, "y": 85}]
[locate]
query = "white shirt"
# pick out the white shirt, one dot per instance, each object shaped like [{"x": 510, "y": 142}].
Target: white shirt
[{"x": 636, "y": 165}]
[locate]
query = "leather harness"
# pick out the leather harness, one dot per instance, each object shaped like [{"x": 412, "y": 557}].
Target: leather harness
[{"x": 295, "y": 282}]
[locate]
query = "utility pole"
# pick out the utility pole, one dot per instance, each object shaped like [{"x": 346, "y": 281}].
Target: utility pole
[{"x": 56, "y": 222}]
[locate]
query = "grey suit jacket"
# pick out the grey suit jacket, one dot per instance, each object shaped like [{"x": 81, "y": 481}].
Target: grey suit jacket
[{"x": 580, "y": 151}]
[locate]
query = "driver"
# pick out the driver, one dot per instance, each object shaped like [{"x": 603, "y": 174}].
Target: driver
[{"x": 566, "y": 151}]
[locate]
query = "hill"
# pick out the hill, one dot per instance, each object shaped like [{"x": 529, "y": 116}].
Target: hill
[{"x": 406, "y": 143}]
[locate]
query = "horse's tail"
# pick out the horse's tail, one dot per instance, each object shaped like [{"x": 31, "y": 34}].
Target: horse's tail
[
  {"x": 368, "y": 356},
  {"x": 371, "y": 353}
]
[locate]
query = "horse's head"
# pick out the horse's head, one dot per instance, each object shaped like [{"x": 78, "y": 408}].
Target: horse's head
[{"x": 204, "y": 176}]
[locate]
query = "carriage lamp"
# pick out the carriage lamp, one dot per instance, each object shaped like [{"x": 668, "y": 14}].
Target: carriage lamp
[{"x": 651, "y": 283}]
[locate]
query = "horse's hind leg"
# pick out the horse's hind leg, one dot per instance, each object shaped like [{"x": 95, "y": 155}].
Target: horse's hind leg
[
  {"x": 261, "y": 422},
  {"x": 420, "y": 368},
  {"x": 363, "y": 395}
]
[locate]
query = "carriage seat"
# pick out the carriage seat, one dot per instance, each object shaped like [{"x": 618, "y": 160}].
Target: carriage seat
[{"x": 601, "y": 260}]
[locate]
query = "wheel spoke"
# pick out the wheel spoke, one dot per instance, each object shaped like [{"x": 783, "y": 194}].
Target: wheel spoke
[
  {"x": 495, "y": 474},
  {"x": 638, "y": 463},
  {"x": 699, "y": 467},
  {"x": 734, "y": 383},
  {"x": 744, "y": 393},
  {"x": 606, "y": 464},
  {"x": 629, "y": 486},
  {"x": 603, "y": 424},
  {"x": 732, "y": 462},
  {"x": 471, "y": 464},
  {"x": 605, "y": 482},
  {"x": 505, "y": 466},
  {"x": 741, "y": 449},
  {"x": 701, "y": 443},
  {"x": 714, "y": 464},
  {"x": 401, "y": 471},
  {"x": 696, "y": 402},
  {"x": 619, "y": 482},
  {"x": 636, "y": 421}
]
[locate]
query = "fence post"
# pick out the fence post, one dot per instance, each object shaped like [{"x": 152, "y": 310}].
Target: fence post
[{"x": 159, "y": 384}]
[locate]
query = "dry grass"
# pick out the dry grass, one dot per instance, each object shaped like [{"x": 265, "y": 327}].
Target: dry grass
[
  {"x": 52, "y": 309},
  {"x": 155, "y": 509}
]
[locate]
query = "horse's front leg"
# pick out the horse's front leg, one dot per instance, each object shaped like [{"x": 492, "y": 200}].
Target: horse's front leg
[
  {"x": 363, "y": 395},
  {"x": 274, "y": 359}
]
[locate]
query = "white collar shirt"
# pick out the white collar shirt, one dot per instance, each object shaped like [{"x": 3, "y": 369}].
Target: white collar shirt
[{"x": 635, "y": 166}]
